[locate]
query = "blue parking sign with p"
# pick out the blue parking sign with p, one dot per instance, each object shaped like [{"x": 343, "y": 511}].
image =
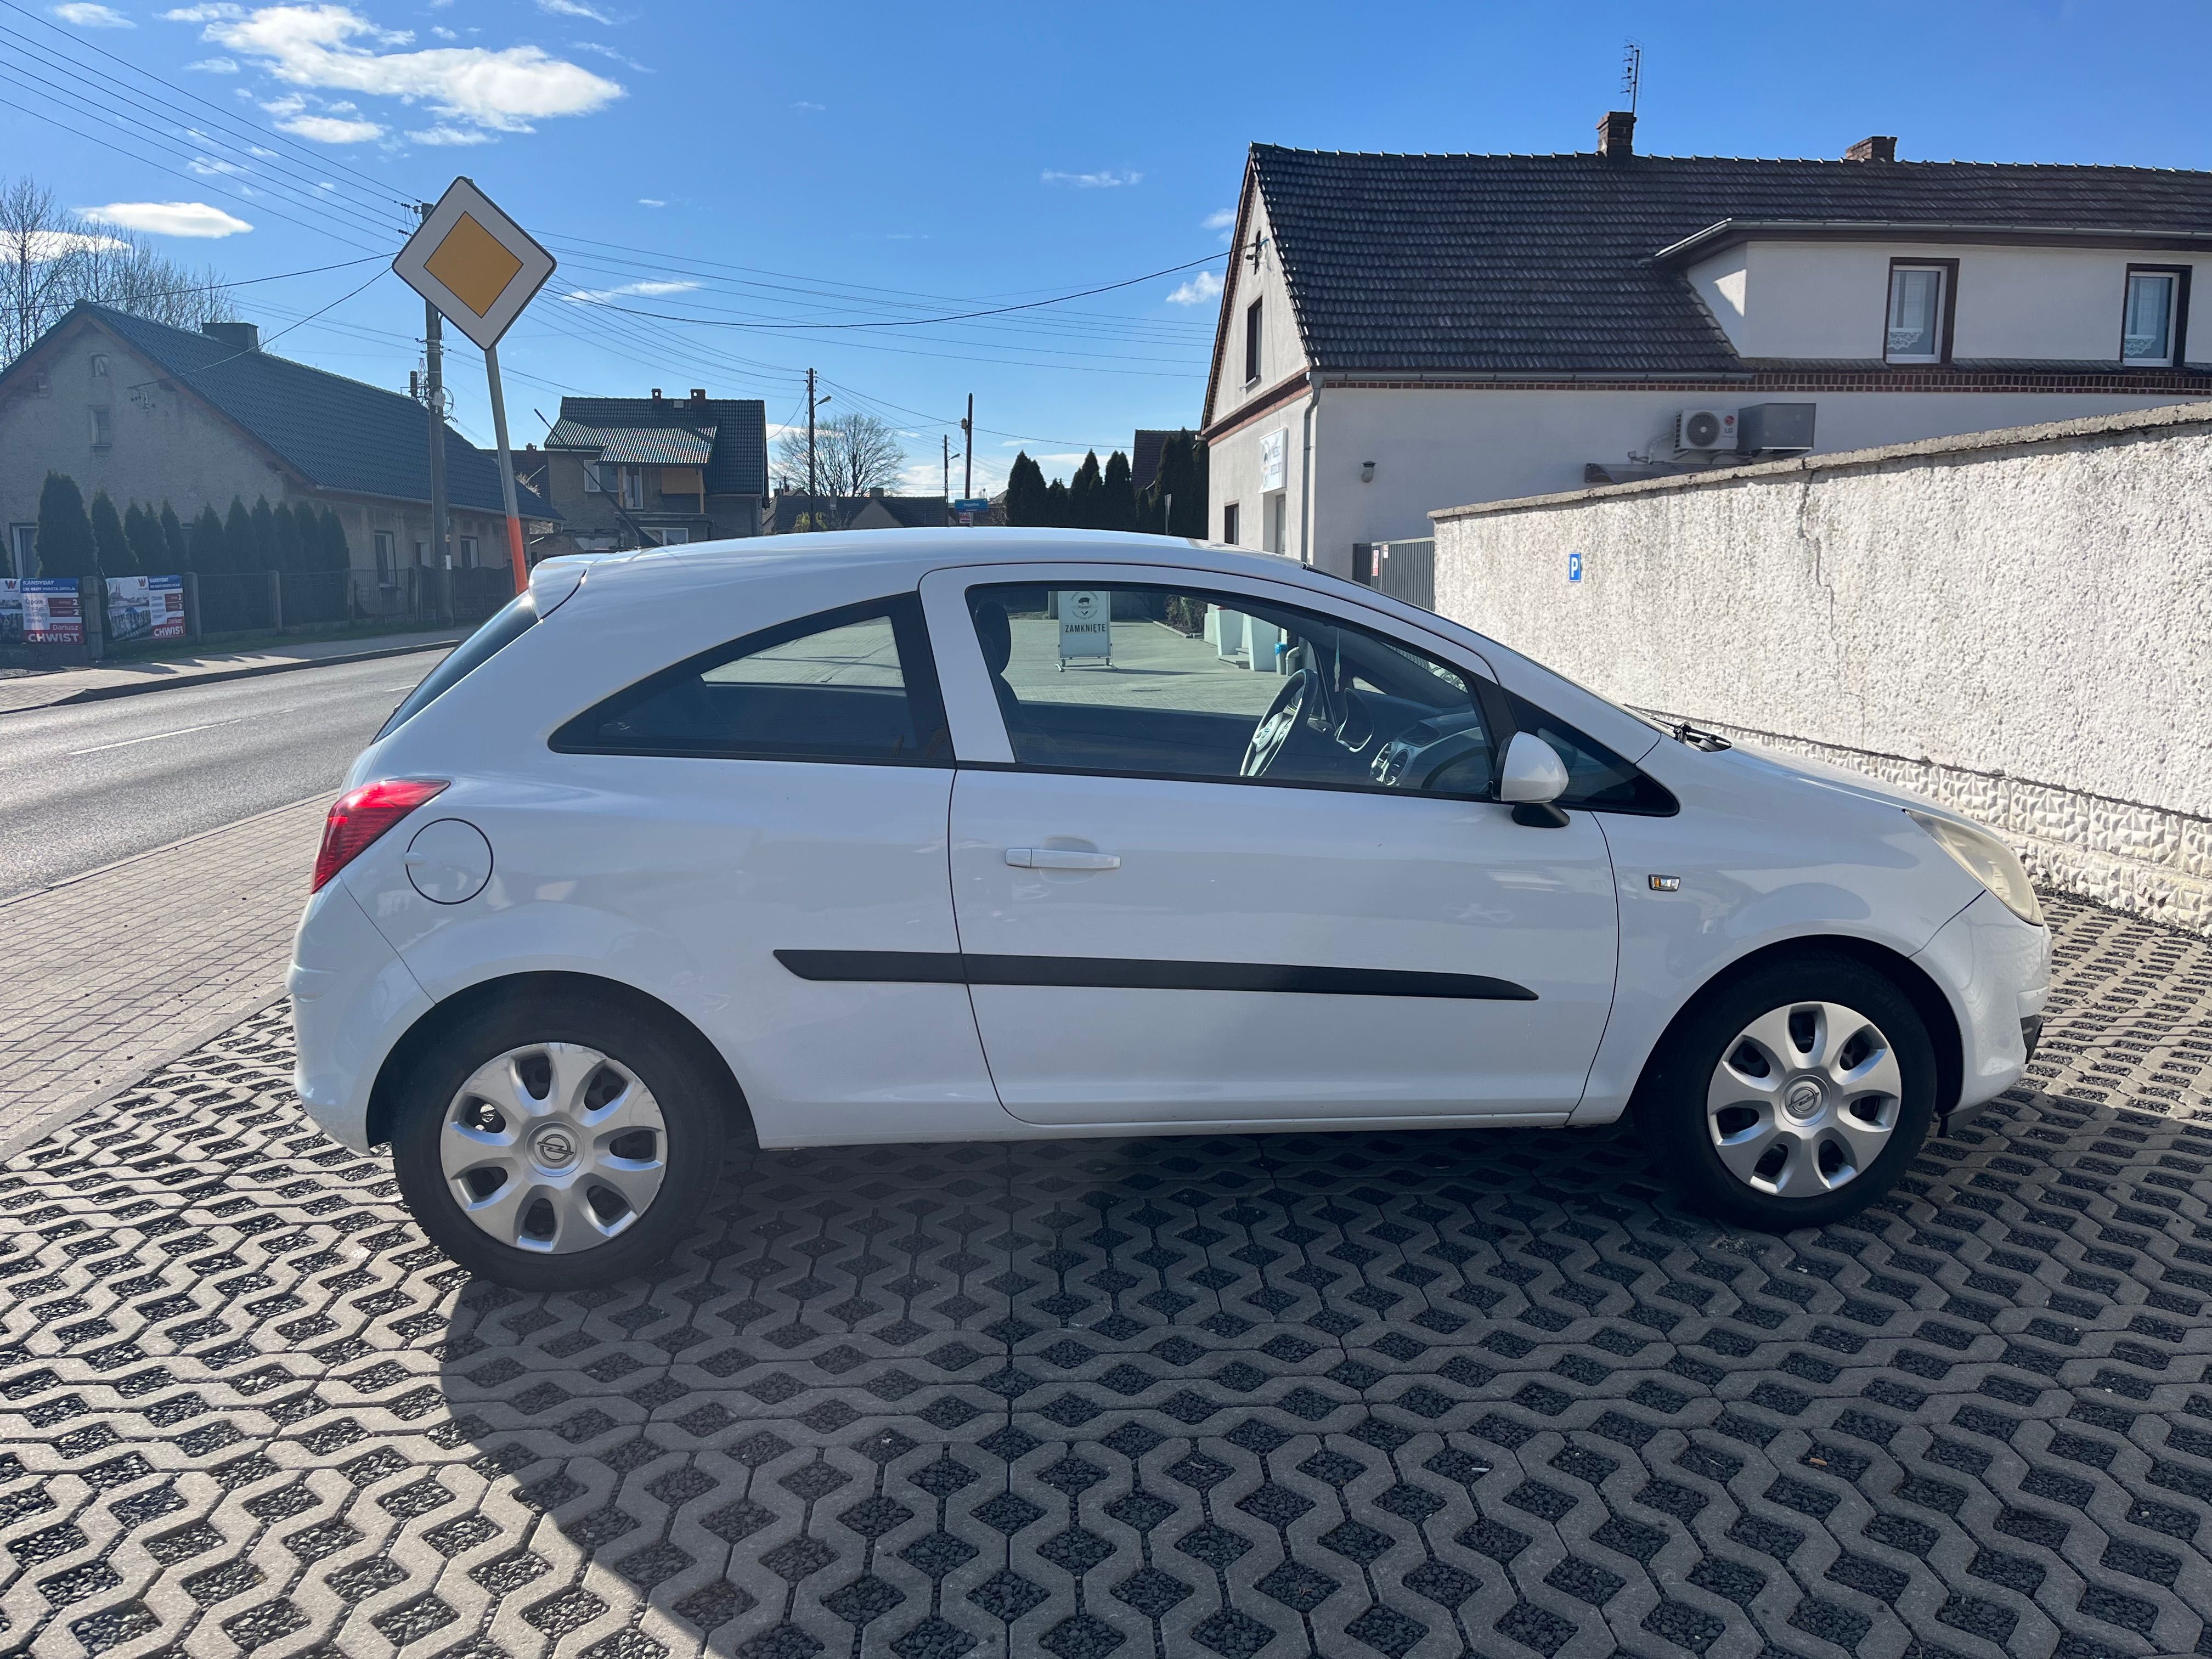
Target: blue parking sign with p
[{"x": 1574, "y": 566}]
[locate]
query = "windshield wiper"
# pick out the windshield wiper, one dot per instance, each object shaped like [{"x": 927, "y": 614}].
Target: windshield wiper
[{"x": 1697, "y": 738}]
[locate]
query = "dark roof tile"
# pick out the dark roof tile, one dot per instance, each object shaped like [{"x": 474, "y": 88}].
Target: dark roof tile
[
  {"x": 1530, "y": 264},
  {"x": 340, "y": 434}
]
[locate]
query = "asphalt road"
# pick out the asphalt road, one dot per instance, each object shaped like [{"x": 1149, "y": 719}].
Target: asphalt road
[{"x": 85, "y": 786}]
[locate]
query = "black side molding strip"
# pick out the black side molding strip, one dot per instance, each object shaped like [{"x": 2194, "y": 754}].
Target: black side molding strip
[{"x": 1110, "y": 973}]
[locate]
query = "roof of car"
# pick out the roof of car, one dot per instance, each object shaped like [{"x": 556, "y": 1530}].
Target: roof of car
[{"x": 961, "y": 545}]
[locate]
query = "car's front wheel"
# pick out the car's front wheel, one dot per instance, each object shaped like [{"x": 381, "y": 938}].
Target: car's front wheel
[
  {"x": 1793, "y": 1095},
  {"x": 549, "y": 1145}
]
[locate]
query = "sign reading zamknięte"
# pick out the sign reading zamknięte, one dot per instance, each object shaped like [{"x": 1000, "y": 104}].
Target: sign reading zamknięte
[{"x": 480, "y": 269}]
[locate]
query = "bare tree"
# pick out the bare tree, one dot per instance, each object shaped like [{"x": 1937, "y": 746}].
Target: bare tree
[
  {"x": 50, "y": 259},
  {"x": 853, "y": 453}
]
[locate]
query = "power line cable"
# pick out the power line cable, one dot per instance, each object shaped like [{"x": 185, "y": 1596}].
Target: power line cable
[
  {"x": 324, "y": 163},
  {"x": 260, "y": 204},
  {"x": 919, "y": 322},
  {"x": 306, "y": 191}
]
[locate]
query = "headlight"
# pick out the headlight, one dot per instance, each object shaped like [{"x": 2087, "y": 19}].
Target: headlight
[{"x": 1988, "y": 859}]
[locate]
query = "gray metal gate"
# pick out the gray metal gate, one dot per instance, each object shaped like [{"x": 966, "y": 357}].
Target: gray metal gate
[{"x": 1405, "y": 570}]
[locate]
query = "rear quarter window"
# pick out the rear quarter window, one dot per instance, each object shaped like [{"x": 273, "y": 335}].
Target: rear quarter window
[{"x": 517, "y": 618}]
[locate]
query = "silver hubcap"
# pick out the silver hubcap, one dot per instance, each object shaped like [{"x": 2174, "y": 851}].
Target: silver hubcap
[
  {"x": 1804, "y": 1099},
  {"x": 553, "y": 1148}
]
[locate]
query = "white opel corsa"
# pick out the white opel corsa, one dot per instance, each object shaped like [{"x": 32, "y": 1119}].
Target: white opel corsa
[{"x": 992, "y": 835}]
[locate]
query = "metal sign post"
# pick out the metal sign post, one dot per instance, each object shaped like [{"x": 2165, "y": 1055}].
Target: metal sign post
[{"x": 480, "y": 269}]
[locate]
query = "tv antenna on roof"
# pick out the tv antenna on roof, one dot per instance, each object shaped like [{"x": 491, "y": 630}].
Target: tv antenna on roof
[{"x": 1632, "y": 72}]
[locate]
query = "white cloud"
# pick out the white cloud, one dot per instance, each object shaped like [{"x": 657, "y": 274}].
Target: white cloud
[
  {"x": 575, "y": 9},
  {"x": 44, "y": 245},
  {"x": 442, "y": 135},
  {"x": 809, "y": 109},
  {"x": 207, "y": 14},
  {"x": 1109, "y": 180},
  {"x": 598, "y": 49},
  {"x": 600, "y": 296},
  {"x": 216, "y": 66},
  {"x": 1219, "y": 219},
  {"x": 332, "y": 47},
  {"x": 332, "y": 129},
  {"x": 650, "y": 201},
  {"x": 1198, "y": 290},
  {"x": 86, "y": 15},
  {"x": 208, "y": 167},
  {"x": 195, "y": 219}
]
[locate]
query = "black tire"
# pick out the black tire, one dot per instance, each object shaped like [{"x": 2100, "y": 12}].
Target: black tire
[
  {"x": 1671, "y": 1101},
  {"x": 694, "y": 1108}
]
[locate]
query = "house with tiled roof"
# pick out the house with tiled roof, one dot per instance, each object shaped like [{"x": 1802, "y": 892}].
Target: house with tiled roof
[
  {"x": 795, "y": 510},
  {"x": 655, "y": 472},
  {"x": 151, "y": 413},
  {"x": 1400, "y": 333}
]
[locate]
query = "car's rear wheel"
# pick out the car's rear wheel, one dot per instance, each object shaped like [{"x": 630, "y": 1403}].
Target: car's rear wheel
[
  {"x": 554, "y": 1146},
  {"x": 1792, "y": 1095}
]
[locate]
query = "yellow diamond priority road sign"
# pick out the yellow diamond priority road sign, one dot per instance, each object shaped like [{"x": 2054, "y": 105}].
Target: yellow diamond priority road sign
[{"x": 472, "y": 262}]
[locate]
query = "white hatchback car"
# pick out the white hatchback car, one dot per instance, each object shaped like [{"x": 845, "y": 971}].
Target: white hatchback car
[{"x": 990, "y": 834}]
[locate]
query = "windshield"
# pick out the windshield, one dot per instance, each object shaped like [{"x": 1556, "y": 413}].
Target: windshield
[{"x": 519, "y": 615}]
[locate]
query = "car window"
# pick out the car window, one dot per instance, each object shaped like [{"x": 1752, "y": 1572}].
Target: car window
[
  {"x": 513, "y": 620},
  {"x": 850, "y": 684},
  {"x": 1182, "y": 682},
  {"x": 1597, "y": 778}
]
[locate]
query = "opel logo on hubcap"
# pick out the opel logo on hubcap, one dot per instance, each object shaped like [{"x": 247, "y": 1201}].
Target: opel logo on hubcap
[
  {"x": 1805, "y": 1097},
  {"x": 554, "y": 1147}
]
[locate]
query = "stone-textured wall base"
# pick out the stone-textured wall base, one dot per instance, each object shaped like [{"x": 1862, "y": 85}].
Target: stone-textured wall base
[{"x": 2147, "y": 860}]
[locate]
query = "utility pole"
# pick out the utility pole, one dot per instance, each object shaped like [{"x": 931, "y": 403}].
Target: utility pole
[
  {"x": 967, "y": 440},
  {"x": 945, "y": 438},
  {"x": 434, "y": 390},
  {"x": 814, "y": 499}
]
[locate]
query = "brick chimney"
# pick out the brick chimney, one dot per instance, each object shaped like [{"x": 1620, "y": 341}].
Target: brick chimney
[
  {"x": 238, "y": 337},
  {"x": 656, "y": 394},
  {"x": 1873, "y": 150},
  {"x": 698, "y": 394},
  {"x": 1616, "y": 134}
]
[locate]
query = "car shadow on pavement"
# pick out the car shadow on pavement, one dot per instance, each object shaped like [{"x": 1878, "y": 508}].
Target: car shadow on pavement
[{"x": 1411, "y": 1394}]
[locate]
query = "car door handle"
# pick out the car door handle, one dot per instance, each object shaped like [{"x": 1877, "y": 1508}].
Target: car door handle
[{"x": 1055, "y": 858}]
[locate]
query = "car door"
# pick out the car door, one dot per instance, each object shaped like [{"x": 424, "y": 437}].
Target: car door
[
  {"x": 752, "y": 822},
  {"x": 1151, "y": 933}
]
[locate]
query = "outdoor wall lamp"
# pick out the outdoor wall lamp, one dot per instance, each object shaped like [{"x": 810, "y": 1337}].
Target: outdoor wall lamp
[{"x": 1367, "y": 472}]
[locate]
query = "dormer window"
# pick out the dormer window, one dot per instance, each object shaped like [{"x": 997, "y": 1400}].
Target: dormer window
[
  {"x": 2150, "y": 324},
  {"x": 1920, "y": 311}
]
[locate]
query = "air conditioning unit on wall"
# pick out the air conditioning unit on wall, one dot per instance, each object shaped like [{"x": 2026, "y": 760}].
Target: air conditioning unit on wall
[{"x": 1704, "y": 429}]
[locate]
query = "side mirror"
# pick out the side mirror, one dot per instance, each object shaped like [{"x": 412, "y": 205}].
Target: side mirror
[{"x": 1532, "y": 774}]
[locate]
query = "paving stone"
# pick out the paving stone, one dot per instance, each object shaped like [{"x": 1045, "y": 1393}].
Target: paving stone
[{"x": 1381, "y": 1394}]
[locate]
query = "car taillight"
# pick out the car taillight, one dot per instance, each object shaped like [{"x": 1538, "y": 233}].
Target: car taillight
[{"x": 360, "y": 815}]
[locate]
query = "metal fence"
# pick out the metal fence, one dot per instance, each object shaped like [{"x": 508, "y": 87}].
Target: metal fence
[
  {"x": 1405, "y": 570},
  {"x": 285, "y": 601}
]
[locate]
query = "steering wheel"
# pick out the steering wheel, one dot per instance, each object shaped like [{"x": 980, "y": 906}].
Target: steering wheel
[{"x": 1293, "y": 704}]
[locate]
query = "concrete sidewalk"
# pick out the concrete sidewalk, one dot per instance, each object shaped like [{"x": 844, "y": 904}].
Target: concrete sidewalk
[
  {"x": 123, "y": 679},
  {"x": 109, "y": 971}
]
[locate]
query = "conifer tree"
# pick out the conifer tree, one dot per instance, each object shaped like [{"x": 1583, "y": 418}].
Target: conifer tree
[
  {"x": 64, "y": 531},
  {"x": 238, "y": 536},
  {"x": 1025, "y": 492},
  {"x": 1085, "y": 492},
  {"x": 111, "y": 552},
  {"x": 1117, "y": 495},
  {"x": 178, "y": 553}
]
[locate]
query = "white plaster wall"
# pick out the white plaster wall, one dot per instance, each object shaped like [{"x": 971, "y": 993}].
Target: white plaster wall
[
  {"x": 1827, "y": 300},
  {"x": 167, "y": 445},
  {"x": 1434, "y": 448},
  {"x": 170, "y": 446},
  {"x": 2022, "y": 627},
  {"x": 1724, "y": 284}
]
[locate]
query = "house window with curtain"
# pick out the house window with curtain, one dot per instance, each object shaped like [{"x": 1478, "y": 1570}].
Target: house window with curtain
[
  {"x": 1252, "y": 343},
  {"x": 633, "y": 488},
  {"x": 2151, "y": 322},
  {"x": 1919, "y": 312},
  {"x": 388, "y": 560}
]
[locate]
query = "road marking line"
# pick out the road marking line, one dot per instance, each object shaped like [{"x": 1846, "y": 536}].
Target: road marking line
[{"x": 180, "y": 732}]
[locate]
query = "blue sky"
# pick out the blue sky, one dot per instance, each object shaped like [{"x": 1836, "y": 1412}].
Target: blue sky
[{"x": 870, "y": 163}]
